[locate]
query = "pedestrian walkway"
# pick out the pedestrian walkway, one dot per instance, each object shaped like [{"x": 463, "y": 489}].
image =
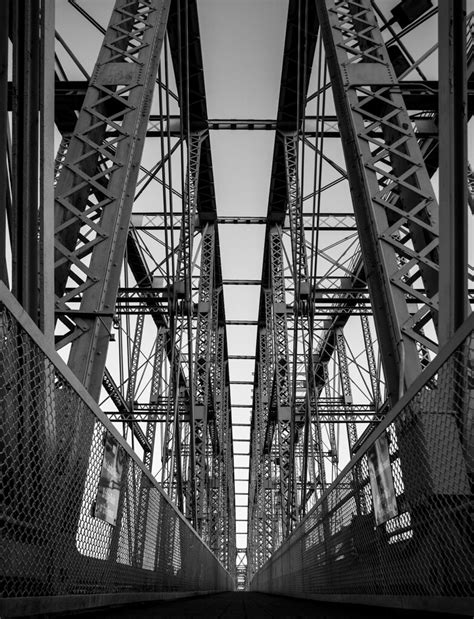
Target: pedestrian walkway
[{"x": 252, "y": 606}]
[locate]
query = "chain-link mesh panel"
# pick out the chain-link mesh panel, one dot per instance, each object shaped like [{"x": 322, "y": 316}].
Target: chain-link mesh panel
[
  {"x": 52, "y": 444},
  {"x": 397, "y": 521}
]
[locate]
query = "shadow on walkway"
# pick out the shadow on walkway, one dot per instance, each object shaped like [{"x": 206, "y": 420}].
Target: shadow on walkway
[{"x": 251, "y": 606}]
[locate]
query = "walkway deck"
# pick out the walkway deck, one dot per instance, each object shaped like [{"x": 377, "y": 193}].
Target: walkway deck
[{"x": 251, "y": 606}]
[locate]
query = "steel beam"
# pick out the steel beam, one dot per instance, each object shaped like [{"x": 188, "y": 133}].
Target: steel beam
[
  {"x": 4, "y": 129},
  {"x": 346, "y": 388},
  {"x": 25, "y": 19},
  {"x": 381, "y": 170},
  {"x": 156, "y": 394},
  {"x": 94, "y": 192},
  {"x": 202, "y": 363},
  {"x": 452, "y": 167},
  {"x": 46, "y": 164}
]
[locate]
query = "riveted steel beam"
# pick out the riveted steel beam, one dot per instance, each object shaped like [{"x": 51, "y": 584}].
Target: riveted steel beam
[
  {"x": 94, "y": 191},
  {"x": 399, "y": 240}
]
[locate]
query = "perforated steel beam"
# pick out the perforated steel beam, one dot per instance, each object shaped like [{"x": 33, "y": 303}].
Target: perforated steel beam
[
  {"x": 201, "y": 392},
  {"x": 95, "y": 189},
  {"x": 399, "y": 240}
]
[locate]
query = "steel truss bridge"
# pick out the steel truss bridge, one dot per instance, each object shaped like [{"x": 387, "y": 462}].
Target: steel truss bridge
[{"x": 124, "y": 449}]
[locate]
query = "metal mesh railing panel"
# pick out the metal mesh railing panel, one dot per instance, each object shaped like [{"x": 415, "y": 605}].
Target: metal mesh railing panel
[
  {"x": 52, "y": 443},
  {"x": 408, "y": 534}
]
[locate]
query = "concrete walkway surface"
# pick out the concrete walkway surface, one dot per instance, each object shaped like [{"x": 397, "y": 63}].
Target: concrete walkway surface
[{"x": 250, "y": 606}]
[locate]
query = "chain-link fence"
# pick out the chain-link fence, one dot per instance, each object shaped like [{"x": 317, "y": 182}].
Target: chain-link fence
[
  {"x": 79, "y": 512},
  {"x": 397, "y": 521}
]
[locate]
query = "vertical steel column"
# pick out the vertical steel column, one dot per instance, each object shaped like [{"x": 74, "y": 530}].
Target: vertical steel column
[
  {"x": 25, "y": 149},
  {"x": 300, "y": 263},
  {"x": 202, "y": 377},
  {"x": 46, "y": 278},
  {"x": 315, "y": 434},
  {"x": 282, "y": 380},
  {"x": 171, "y": 478},
  {"x": 346, "y": 389},
  {"x": 453, "y": 299},
  {"x": 270, "y": 419},
  {"x": 330, "y": 426},
  {"x": 4, "y": 189},
  {"x": 156, "y": 395},
  {"x": 218, "y": 435},
  {"x": 133, "y": 368},
  {"x": 183, "y": 328},
  {"x": 300, "y": 303},
  {"x": 271, "y": 450},
  {"x": 260, "y": 540},
  {"x": 372, "y": 366},
  {"x": 221, "y": 496},
  {"x": 145, "y": 486},
  {"x": 230, "y": 487},
  {"x": 265, "y": 456},
  {"x": 453, "y": 184}
]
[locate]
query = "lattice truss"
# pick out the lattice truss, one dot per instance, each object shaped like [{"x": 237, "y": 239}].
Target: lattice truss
[
  {"x": 349, "y": 298},
  {"x": 348, "y": 311},
  {"x": 138, "y": 282}
]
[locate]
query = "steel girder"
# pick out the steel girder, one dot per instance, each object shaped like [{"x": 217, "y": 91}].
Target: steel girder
[
  {"x": 201, "y": 379},
  {"x": 372, "y": 366},
  {"x": 393, "y": 199},
  {"x": 95, "y": 188},
  {"x": 155, "y": 394},
  {"x": 453, "y": 163},
  {"x": 25, "y": 35},
  {"x": 181, "y": 329},
  {"x": 222, "y": 538},
  {"x": 305, "y": 414},
  {"x": 26, "y": 139},
  {"x": 281, "y": 399},
  {"x": 346, "y": 388},
  {"x": 4, "y": 197}
]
